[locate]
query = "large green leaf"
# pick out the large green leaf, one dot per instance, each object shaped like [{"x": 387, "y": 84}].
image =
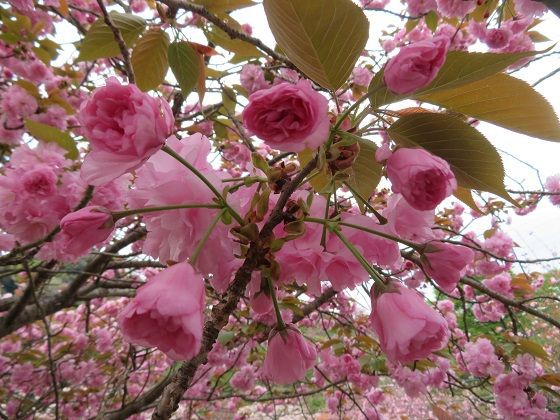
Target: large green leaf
[
  {"x": 52, "y": 134},
  {"x": 460, "y": 68},
  {"x": 323, "y": 38},
  {"x": 149, "y": 59},
  {"x": 185, "y": 65},
  {"x": 365, "y": 173},
  {"x": 474, "y": 161},
  {"x": 502, "y": 100},
  {"x": 99, "y": 41},
  {"x": 240, "y": 48}
]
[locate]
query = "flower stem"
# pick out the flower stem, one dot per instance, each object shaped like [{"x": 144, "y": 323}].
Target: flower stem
[
  {"x": 204, "y": 239},
  {"x": 413, "y": 245},
  {"x": 280, "y": 325},
  {"x": 378, "y": 280},
  {"x": 124, "y": 213},
  {"x": 200, "y": 176}
]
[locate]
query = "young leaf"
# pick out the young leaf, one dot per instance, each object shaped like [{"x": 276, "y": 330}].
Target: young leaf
[
  {"x": 365, "y": 173},
  {"x": 224, "y": 5},
  {"x": 99, "y": 41},
  {"x": 184, "y": 63},
  {"x": 460, "y": 68},
  {"x": 502, "y": 100},
  {"x": 474, "y": 161},
  {"x": 323, "y": 38},
  {"x": 149, "y": 59},
  {"x": 51, "y": 134}
]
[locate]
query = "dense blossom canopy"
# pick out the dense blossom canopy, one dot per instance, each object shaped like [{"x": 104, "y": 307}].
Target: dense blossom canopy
[{"x": 202, "y": 216}]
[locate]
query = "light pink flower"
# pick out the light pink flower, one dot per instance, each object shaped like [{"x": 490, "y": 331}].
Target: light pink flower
[
  {"x": 552, "y": 185},
  {"x": 252, "y": 78},
  {"x": 446, "y": 263},
  {"x": 167, "y": 313},
  {"x": 288, "y": 117},
  {"x": 423, "y": 179},
  {"x": 288, "y": 357},
  {"x": 407, "y": 328},
  {"x": 86, "y": 227},
  {"x": 480, "y": 359},
  {"x": 40, "y": 182},
  {"x": 416, "y": 65},
  {"x": 456, "y": 8},
  {"x": 407, "y": 222},
  {"x": 124, "y": 127}
]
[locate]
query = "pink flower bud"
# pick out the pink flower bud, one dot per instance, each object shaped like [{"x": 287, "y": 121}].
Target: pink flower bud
[
  {"x": 423, "y": 179},
  {"x": 85, "y": 228},
  {"x": 446, "y": 263},
  {"x": 288, "y": 357},
  {"x": 416, "y": 65}
]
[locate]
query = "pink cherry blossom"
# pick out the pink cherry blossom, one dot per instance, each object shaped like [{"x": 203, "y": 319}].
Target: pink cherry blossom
[
  {"x": 416, "y": 65},
  {"x": 407, "y": 328},
  {"x": 167, "y": 313},
  {"x": 423, "y": 179},
  {"x": 288, "y": 357},
  {"x": 288, "y": 117},
  {"x": 124, "y": 127}
]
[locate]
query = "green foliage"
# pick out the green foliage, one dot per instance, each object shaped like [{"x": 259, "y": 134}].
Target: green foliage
[
  {"x": 99, "y": 41},
  {"x": 48, "y": 133},
  {"x": 184, "y": 62},
  {"x": 502, "y": 100},
  {"x": 149, "y": 59},
  {"x": 323, "y": 38},
  {"x": 474, "y": 161}
]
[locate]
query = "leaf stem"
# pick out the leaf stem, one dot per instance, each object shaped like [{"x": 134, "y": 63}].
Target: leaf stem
[
  {"x": 204, "y": 239},
  {"x": 124, "y": 213},
  {"x": 200, "y": 176},
  {"x": 280, "y": 325}
]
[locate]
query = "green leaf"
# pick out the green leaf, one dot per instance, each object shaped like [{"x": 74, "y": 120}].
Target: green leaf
[
  {"x": 431, "y": 20},
  {"x": 474, "y": 161},
  {"x": 149, "y": 59},
  {"x": 502, "y": 100},
  {"x": 240, "y": 48},
  {"x": 323, "y": 38},
  {"x": 99, "y": 41},
  {"x": 465, "y": 195},
  {"x": 460, "y": 68},
  {"x": 365, "y": 173},
  {"x": 51, "y": 134},
  {"x": 321, "y": 182},
  {"x": 533, "y": 348},
  {"x": 184, "y": 63}
]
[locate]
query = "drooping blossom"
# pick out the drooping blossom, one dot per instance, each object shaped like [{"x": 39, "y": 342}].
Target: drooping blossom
[
  {"x": 288, "y": 357},
  {"x": 446, "y": 263},
  {"x": 408, "y": 329},
  {"x": 167, "y": 313},
  {"x": 423, "y": 179}
]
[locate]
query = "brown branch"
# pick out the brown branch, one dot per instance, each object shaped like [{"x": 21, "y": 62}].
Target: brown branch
[
  {"x": 120, "y": 41},
  {"x": 174, "y": 5},
  {"x": 509, "y": 302},
  {"x": 67, "y": 296}
]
